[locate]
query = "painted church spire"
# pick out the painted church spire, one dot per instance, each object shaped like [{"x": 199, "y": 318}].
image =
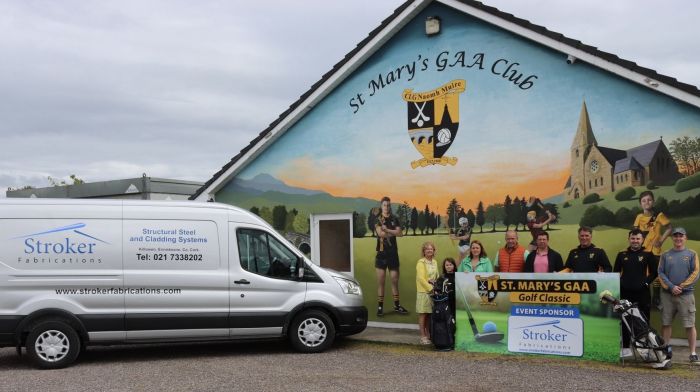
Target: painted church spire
[{"x": 584, "y": 134}]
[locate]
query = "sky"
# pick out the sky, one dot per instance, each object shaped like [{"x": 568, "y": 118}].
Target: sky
[{"x": 113, "y": 89}]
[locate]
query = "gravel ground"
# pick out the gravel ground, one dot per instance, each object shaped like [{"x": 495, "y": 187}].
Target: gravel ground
[{"x": 350, "y": 365}]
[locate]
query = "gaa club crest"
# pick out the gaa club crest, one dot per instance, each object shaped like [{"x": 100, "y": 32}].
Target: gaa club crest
[
  {"x": 487, "y": 287},
  {"x": 433, "y": 119}
]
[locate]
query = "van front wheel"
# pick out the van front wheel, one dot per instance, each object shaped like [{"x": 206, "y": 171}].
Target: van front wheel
[
  {"x": 52, "y": 344},
  {"x": 312, "y": 332}
]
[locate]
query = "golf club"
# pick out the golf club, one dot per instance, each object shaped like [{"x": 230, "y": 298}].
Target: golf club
[{"x": 487, "y": 337}]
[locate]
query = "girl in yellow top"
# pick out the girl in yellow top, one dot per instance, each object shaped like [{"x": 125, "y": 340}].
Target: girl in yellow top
[
  {"x": 651, "y": 223},
  {"x": 426, "y": 274}
]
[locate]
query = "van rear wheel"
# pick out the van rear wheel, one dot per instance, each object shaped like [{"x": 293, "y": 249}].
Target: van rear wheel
[
  {"x": 52, "y": 344},
  {"x": 312, "y": 331}
]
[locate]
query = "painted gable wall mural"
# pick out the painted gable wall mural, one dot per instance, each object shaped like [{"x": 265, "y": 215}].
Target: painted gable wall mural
[{"x": 462, "y": 124}]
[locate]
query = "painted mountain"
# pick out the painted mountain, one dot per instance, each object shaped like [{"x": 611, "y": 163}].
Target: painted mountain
[{"x": 266, "y": 190}]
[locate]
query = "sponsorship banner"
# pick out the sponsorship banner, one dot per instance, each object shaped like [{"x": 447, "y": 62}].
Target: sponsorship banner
[{"x": 547, "y": 314}]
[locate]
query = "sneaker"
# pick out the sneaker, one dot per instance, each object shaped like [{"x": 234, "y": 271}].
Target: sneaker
[
  {"x": 694, "y": 359},
  {"x": 425, "y": 341},
  {"x": 625, "y": 352},
  {"x": 380, "y": 311},
  {"x": 400, "y": 309}
]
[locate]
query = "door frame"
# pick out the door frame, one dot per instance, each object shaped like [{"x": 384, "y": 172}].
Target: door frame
[{"x": 315, "y": 220}]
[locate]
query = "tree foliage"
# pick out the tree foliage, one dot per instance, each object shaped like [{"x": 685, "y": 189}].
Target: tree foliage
[
  {"x": 279, "y": 217},
  {"x": 359, "y": 226},
  {"x": 414, "y": 219},
  {"x": 480, "y": 216},
  {"x": 453, "y": 209},
  {"x": 690, "y": 182},
  {"x": 686, "y": 152},
  {"x": 625, "y": 194},
  {"x": 495, "y": 213},
  {"x": 591, "y": 198},
  {"x": 597, "y": 216}
]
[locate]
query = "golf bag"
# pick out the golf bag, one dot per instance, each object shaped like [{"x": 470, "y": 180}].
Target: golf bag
[
  {"x": 645, "y": 342},
  {"x": 442, "y": 324}
]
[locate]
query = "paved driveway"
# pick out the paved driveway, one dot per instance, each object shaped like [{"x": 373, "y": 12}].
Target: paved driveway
[{"x": 351, "y": 366}]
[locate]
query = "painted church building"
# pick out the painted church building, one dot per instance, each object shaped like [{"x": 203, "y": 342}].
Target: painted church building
[{"x": 601, "y": 170}]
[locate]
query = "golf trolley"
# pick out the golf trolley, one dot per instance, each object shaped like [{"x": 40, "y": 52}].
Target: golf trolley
[{"x": 645, "y": 342}]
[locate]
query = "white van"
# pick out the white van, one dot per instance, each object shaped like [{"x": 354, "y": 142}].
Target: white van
[{"x": 75, "y": 273}]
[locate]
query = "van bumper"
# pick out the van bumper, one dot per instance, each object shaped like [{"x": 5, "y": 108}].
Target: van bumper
[
  {"x": 351, "y": 320},
  {"x": 8, "y": 328}
]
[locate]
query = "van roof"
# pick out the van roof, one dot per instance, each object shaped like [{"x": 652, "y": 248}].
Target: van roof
[{"x": 121, "y": 202}]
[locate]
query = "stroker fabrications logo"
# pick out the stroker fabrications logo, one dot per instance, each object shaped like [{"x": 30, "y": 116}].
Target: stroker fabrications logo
[
  {"x": 545, "y": 330},
  {"x": 60, "y": 245},
  {"x": 433, "y": 120}
]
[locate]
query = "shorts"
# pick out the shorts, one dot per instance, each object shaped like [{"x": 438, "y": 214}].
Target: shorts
[
  {"x": 682, "y": 305},
  {"x": 463, "y": 248},
  {"x": 423, "y": 303},
  {"x": 387, "y": 260}
]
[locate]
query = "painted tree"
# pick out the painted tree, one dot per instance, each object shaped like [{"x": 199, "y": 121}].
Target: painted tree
[
  {"x": 507, "y": 209},
  {"x": 266, "y": 214},
  {"x": 472, "y": 218},
  {"x": 371, "y": 223},
  {"x": 403, "y": 213},
  {"x": 359, "y": 228},
  {"x": 301, "y": 223},
  {"x": 279, "y": 217},
  {"x": 414, "y": 219},
  {"x": 480, "y": 218},
  {"x": 453, "y": 209},
  {"x": 514, "y": 215},
  {"x": 686, "y": 152},
  {"x": 551, "y": 207},
  {"x": 289, "y": 221},
  {"x": 523, "y": 212},
  {"x": 426, "y": 213},
  {"x": 432, "y": 222},
  {"x": 421, "y": 222},
  {"x": 495, "y": 213}
]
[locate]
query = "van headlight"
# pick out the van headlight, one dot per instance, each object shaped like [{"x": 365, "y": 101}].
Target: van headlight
[{"x": 348, "y": 286}]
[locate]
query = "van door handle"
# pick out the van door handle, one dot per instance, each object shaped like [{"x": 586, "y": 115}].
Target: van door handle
[{"x": 242, "y": 281}]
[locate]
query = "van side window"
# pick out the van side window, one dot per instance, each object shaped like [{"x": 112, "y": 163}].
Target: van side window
[{"x": 262, "y": 254}]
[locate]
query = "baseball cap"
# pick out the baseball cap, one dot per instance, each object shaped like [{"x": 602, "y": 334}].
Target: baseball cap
[{"x": 678, "y": 230}]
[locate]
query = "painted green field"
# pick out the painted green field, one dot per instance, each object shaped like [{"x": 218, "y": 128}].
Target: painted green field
[
  {"x": 601, "y": 335},
  {"x": 563, "y": 238}
]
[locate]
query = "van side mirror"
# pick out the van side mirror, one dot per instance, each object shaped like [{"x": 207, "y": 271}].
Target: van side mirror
[{"x": 300, "y": 268}]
